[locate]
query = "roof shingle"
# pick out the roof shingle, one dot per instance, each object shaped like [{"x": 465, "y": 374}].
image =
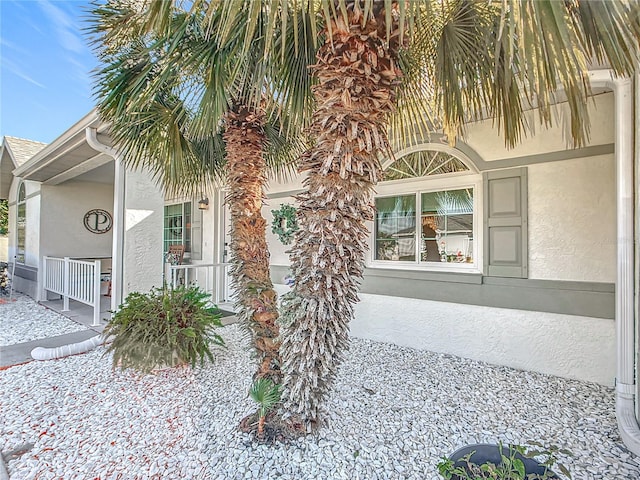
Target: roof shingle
[{"x": 23, "y": 149}]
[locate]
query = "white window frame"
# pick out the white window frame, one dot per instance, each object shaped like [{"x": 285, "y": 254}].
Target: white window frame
[
  {"x": 183, "y": 227},
  {"x": 433, "y": 183},
  {"x": 21, "y": 255}
]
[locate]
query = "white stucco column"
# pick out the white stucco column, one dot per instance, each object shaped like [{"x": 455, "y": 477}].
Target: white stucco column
[
  {"x": 117, "y": 264},
  {"x": 118, "y": 216},
  {"x": 625, "y": 278}
]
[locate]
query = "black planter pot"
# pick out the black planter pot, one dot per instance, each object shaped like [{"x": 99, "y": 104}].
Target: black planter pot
[{"x": 488, "y": 452}]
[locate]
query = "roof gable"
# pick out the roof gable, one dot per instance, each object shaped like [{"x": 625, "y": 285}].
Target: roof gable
[
  {"x": 22, "y": 149},
  {"x": 13, "y": 153}
]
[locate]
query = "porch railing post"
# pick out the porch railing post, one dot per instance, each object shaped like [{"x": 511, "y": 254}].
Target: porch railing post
[
  {"x": 66, "y": 285},
  {"x": 43, "y": 293},
  {"x": 219, "y": 284},
  {"x": 174, "y": 276},
  {"x": 96, "y": 292}
]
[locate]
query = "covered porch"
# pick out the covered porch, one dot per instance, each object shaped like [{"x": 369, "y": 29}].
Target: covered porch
[{"x": 92, "y": 208}]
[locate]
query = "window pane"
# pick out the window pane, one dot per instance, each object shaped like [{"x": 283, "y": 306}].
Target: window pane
[
  {"x": 447, "y": 226},
  {"x": 173, "y": 226},
  {"x": 21, "y": 223},
  {"x": 396, "y": 228},
  {"x": 187, "y": 224}
]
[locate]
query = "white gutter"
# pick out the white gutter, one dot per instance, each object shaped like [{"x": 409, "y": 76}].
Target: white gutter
[
  {"x": 625, "y": 279},
  {"x": 61, "y": 145},
  {"x": 117, "y": 266}
]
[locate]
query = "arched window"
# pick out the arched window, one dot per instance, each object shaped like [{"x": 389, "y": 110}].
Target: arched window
[
  {"x": 424, "y": 163},
  {"x": 21, "y": 223},
  {"x": 426, "y": 210}
]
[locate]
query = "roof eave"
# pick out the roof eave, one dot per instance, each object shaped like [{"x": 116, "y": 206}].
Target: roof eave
[{"x": 49, "y": 153}]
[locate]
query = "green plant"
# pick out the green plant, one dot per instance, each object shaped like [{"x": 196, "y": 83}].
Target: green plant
[
  {"x": 284, "y": 224},
  {"x": 510, "y": 467},
  {"x": 267, "y": 395},
  {"x": 4, "y": 217},
  {"x": 165, "y": 327}
]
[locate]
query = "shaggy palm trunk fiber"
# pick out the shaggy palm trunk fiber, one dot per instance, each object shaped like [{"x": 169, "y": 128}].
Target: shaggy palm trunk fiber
[
  {"x": 244, "y": 139},
  {"x": 357, "y": 77}
]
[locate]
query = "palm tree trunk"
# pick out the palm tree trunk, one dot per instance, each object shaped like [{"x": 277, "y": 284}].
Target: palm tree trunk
[
  {"x": 357, "y": 77},
  {"x": 244, "y": 139}
]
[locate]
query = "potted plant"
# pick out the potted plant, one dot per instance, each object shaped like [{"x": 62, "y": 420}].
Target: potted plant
[
  {"x": 163, "y": 328},
  {"x": 499, "y": 462}
]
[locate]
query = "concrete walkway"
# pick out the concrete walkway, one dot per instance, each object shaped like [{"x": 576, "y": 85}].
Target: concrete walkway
[{"x": 21, "y": 352}]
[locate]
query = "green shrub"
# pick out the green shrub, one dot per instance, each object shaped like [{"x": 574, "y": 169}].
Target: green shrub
[
  {"x": 267, "y": 395},
  {"x": 165, "y": 327}
]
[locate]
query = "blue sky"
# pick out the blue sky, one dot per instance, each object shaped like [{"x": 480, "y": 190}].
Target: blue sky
[{"x": 45, "y": 67}]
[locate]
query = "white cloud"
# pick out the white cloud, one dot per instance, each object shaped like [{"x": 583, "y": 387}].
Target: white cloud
[
  {"x": 65, "y": 27},
  {"x": 12, "y": 46},
  {"x": 17, "y": 71}
]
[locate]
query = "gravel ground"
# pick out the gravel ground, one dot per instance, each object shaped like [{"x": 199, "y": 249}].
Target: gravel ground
[
  {"x": 24, "y": 320},
  {"x": 394, "y": 412}
]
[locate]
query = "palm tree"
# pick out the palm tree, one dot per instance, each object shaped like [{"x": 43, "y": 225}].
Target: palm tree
[
  {"x": 193, "y": 109},
  {"x": 467, "y": 60}
]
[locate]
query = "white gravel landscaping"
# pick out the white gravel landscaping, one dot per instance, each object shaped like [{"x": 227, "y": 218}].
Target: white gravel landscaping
[
  {"x": 23, "y": 320},
  {"x": 394, "y": 412}
]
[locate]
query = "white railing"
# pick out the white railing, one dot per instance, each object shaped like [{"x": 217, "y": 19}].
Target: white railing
[
  {"x": 213, "y": 278},
  {"x": 74, "y": 280}
]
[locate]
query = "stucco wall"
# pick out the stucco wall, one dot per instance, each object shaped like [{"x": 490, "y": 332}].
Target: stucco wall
[
  {"x": 569, "y": 346},
  {"x": 572, "y": 220},
  {"x": 62, "y": 221},
  {"x": 143, "y": 256},
  {"x": 4, "y": 248},
  {"x": 564, "y": 345},
  {"x": 483, "y": 137}
]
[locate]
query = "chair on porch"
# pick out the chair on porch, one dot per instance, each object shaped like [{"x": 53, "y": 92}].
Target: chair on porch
[{"x": 176, "y": 254}]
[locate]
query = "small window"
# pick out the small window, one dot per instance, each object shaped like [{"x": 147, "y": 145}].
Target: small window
[
  {"x": 176, "y": 225},
  {"x": 181, "y": 227},
  {"x": 21, "y": 224}
]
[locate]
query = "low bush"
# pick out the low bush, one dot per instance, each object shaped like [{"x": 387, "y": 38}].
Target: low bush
[{"x": 165, "y": 327}]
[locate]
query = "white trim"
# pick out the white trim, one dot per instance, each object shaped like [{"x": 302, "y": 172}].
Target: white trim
[
  {"x": 428, "y": 146},
  {"x": 16, "y": 250}
]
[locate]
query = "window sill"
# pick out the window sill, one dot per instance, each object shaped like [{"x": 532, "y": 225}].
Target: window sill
[{"x": 456, "y": 274}]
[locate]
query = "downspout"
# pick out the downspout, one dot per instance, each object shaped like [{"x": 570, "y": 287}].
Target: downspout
[
  {"x": 625, "y": 277},
  {"x": 117, "y": 266},
  {"x": 636, "y": 93},
  {"x": 42, "y": 353}
]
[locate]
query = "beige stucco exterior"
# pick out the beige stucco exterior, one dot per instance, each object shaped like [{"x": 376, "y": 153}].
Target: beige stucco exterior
[{"x": 571, "y": 237}]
